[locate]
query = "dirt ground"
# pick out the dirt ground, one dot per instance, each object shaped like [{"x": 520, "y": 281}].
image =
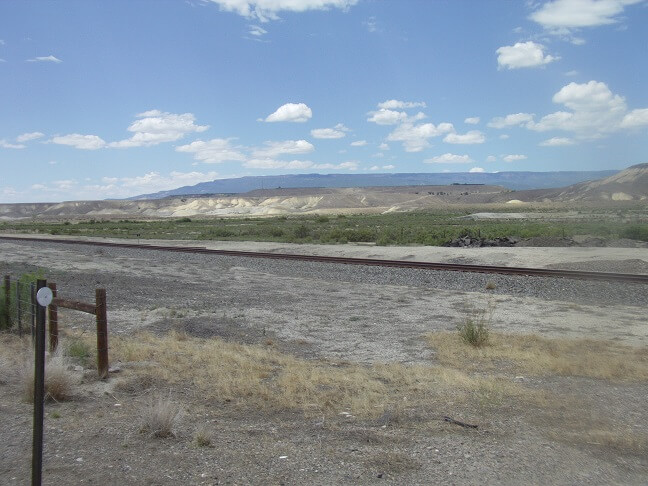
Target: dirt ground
[{"x": 589, "y": 430}]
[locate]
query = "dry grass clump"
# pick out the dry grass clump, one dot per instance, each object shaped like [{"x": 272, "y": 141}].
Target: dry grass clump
[
  {"x": 261, "y": 377},
  {"x": 541, "y": 356},
  {"x": 60, "y": 382},
  {"x": 203, "y": 437},
  {"x": 158, "y": 417}
]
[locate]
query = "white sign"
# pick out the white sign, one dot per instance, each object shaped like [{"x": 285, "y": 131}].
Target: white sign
[{"x": 44, "y": 296}]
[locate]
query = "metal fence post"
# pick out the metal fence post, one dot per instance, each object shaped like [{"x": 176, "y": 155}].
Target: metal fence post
[
  {"x": 32, "y": 301},
  {"x": 39, "y": 393}
]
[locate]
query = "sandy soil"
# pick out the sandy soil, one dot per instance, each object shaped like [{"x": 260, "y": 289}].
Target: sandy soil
[{"x": 95, "y": 441}]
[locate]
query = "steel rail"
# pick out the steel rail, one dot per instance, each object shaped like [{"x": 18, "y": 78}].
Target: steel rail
[{"x": 452, "y": 267}]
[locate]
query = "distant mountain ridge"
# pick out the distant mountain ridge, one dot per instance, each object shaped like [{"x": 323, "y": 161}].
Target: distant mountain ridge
[{"x": 511, "y": 180}]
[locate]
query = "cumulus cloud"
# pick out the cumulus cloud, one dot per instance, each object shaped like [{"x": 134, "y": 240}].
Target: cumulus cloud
[
  {"x": 515, "y": 119},
  {"x": 389, "y": 167},
  {"x": 155, "y": 126},
  {"x": 149, "y": 182},
  {"x": 76, "y": 140},
  {"x": 339, "y": 131},
  {"x": 523, "y": 55},
  {"x": 274, "y": 149},
  {"x": 476, "y": 169},
  {"x": 266, "y": 10},
  {"x": 593, "y": 111},
  {"x": 213, "y": 151},
  {"x": 359, "y": 143},
  {"x": 383, "y": 146},
  {"x": 557, "y": 142},
  {"x": 473, "y": 120},
  {"x": 564, "y": 15},
  {"x": 513, "y": 157},
  {"x": 471, "y": 137},
  {"x": 449, "y": 159},
  {"x": 400, "y": 105},
  {"x": 49, "y": 58},
  {"x": 491, "y": 158},
  {"x": 636, "y": 118},
  {"x": 415, "y": 137},
  {"x": 384, "y": 116},
  {"x": 291, "y": 112}
]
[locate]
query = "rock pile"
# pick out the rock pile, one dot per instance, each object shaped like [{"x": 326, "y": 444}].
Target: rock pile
[{"x": 476, "y": 242}]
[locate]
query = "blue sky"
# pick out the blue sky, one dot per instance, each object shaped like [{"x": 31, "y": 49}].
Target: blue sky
[{"x": 112, "y": 99}]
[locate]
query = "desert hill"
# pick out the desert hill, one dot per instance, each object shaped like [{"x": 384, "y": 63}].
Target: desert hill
[{"x": 630, "y": 184}]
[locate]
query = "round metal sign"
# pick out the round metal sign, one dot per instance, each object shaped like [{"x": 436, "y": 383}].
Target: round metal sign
[{"x": 44, "y": 296}]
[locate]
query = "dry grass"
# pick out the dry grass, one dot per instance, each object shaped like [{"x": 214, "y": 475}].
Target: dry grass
[
  {"x": 158, "y": 417},
  {"x": 261, "y": 377},
  {"x": 203, "y": 437},
  {"x": 543, "y": 356},
  {"x": 60, "y": 382}
]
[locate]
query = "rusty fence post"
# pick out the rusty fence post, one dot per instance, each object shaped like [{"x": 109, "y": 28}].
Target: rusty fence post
[
  {"x": 52, "y": 311},
  {"x": 7, "y": 309},
  {"x": 102, "y": 333}
]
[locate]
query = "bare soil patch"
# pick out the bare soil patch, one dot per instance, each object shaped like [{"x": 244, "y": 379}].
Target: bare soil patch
[{"x": 303, "y": 379}]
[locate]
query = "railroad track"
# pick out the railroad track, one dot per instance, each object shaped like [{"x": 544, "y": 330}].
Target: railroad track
[{"x": 536, "y": 272}]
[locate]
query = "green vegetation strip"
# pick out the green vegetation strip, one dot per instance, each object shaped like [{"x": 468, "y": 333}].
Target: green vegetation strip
[{"x": 412, "y": 228}]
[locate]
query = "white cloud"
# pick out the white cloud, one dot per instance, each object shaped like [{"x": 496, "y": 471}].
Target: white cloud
[
  {"x": 491, "y": 158},
  {"x": 49, "y": 58},
  {"x": 213, "y": 151},
  {"x": 523, "y": 55},
  {"x": 76, "y": 140},
  {"x": 336, "y": 132},
  {"x": 635, "y": 118},
  {"x": 473, "y": 120},
  {"x": 557, "y": 142},
  {"x": 387, "y": 117},
  {"x": 571, "y": 73},
  {"x": 415, "y": 137},
  {"x": 383, "y": 146},
  {"x": 449, "y": 159},
  {"x": 153, "y": 182},
  {"x": 26, "y": 137},
  {"x": 389, "y": 167},
  {"x": 266, "y": 10},
  {"x": 9, "y": 145},
  {"x": 256, "y": 31},
  {"x": 359, "y": 143},
  {"x": 274, "y": 149},
  {"x": 371, "y": 24},
  {"x": 513, "y": 157},
  {"x": 155, "y": 126},
  {"x": 269, "y": 163},
  {"x": 399, "y": 105},
  {"x": 378, "y": 155},
  {"x": 291, "y": 112},
  {"x": 504, "y": 136},
  {"x": 563, "y": 15},
  {"x": 476, "y": 170},
  {"x": 594, "y": 111},
  {"x": 471, "y": 137},
  {"x": 516, "y": 119}
]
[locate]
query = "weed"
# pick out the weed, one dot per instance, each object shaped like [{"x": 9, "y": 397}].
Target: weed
[
  {"x": 60, "y": 382},
  {"x": 159, "y": 417},
  {"x": 79, "y": 350},
  {"x": 203, "y": 437},
  {"x": 490, "y": 285},
  {"x": 475, "y": 328}
]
